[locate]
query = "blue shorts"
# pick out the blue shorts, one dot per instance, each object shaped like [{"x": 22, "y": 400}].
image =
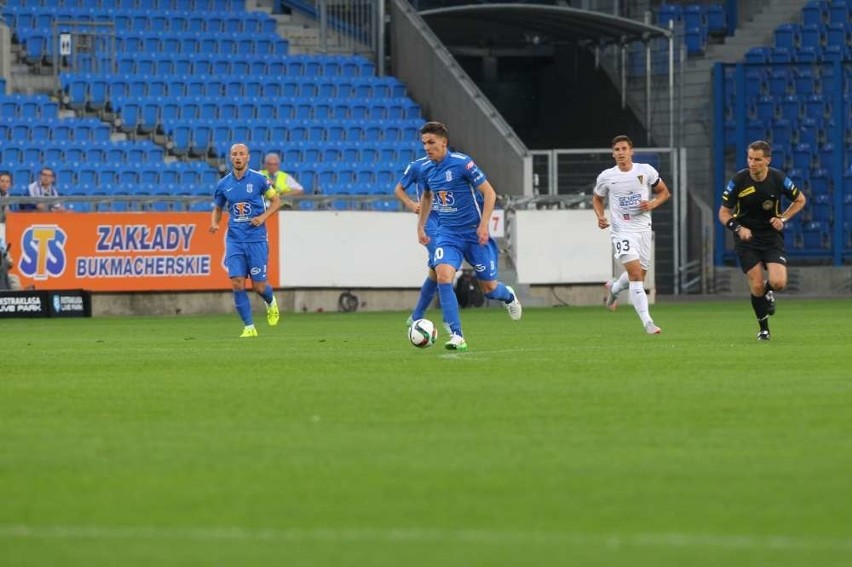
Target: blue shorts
[
  {"x": 247, "y": 259},
  {"x": 452, "y": 248}
]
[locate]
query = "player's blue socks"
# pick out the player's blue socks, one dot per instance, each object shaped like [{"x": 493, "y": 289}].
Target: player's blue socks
[
  {"x": 267, "y": 294},
  {"x": 243, "y": 305},
  {"x": 500, "y": 292},
  {"x": 427, "y": 293},
  {"x": 450, "y": 306}
]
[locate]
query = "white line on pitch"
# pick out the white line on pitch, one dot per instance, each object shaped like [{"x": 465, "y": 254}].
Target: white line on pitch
[{"x": 430, "y": 535}]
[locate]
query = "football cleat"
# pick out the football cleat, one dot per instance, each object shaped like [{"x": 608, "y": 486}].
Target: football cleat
[
  {"x": 652, "y": 329},
  {"x": 248, "y": 332},
  {"x": 410, "y": 321},
  {"x": 763, "y": 336},
  {"x": 770, "y": 302},
  {"x": 272, "y": 314},
  {"x": 514, "y": 307},
  {"x": 610, "y": 299},
  {"x": 457, "y": 343}
]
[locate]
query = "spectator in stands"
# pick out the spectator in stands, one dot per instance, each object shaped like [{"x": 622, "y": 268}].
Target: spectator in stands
[
  {"x": 45, "y": 187},
  {"x": 284, "y": 183},
  {"x": 5, "y": 186}
]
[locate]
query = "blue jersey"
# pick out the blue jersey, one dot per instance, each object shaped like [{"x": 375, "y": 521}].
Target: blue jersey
[
  {"x": 412, "y": 176},
  {"x": 453, "y": 182},
  {"x": 243, "y": 199}
]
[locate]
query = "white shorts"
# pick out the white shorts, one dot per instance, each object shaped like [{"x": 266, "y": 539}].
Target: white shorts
[{"x": 629, "y": 246}]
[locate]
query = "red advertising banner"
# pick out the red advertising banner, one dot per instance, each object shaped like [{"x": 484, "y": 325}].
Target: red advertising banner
[{"x": 124, "y": 251}]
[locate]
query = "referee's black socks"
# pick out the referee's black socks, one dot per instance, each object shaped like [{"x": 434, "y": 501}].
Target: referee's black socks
[
  {"x": 767, "y": 287},
  {"x": 758, "y": 303}
]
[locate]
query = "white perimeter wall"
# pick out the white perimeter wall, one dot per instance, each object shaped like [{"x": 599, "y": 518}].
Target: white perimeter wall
[
  {"x": 350, "y": 249},
  {"x": 380, "y": 250},
  {"x": 560, "y": 247}
]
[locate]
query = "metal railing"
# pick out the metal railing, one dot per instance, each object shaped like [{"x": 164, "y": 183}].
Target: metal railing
[{"x": 83, "y": 47}]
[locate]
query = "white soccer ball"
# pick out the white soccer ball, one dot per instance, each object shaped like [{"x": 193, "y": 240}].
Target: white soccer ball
[{"x": 422, "y": 333}]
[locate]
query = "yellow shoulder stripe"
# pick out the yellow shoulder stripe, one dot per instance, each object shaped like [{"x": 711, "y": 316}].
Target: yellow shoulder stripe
[{"x": 746, "y": 191}]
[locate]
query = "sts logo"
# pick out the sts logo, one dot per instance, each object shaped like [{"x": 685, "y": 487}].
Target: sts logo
[
  {"x": 242, "y": 211},
  {"x": 43, "y": 252},
  {"x": 446, "y": 198}
]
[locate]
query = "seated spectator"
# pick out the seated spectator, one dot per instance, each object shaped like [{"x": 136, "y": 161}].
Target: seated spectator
[
  {"x": 45, "y": 187},
  {"x": 284, "y": 183},
  {"x": 5, "y": 186}
]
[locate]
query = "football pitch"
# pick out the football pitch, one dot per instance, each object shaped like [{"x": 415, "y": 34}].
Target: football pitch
[{"x": 567, "y": 438}]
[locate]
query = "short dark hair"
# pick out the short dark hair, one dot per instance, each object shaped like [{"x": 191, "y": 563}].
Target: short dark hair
[
  {"x": 7, "y": 173},
  {"x": 621, "y": 138},
  {"x": 762, "y": 146},
  {"x": 436, "y": 128},
  {"x": 49, "y": 169}
]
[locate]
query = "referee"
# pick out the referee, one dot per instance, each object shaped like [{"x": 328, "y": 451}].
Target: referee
[{"x": 751, "y": 209}]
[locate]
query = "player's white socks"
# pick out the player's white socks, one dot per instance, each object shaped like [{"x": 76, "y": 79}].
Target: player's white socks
[
  {"x": 620, "y": 284},
  {"x": 639, "y": 299}
]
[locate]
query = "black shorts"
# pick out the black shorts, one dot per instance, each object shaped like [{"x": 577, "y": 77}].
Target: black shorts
[{"x": 761, "y": 249}]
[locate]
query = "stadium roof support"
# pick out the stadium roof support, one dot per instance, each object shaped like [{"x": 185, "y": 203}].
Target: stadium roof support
[{"x": 560, "y": 23}]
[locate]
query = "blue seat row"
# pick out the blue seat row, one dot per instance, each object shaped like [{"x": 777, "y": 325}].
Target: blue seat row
[
  {"x": 198, "y": 137},
  {"x": 52, "y": 152},
  {"x": 168, "y": 109},
  {"x": 19, "y": 130},
  {"x": 817, "y": 12},
  {"x": 177, "y": 5},
  {"x": 39, "y": 43},
  {"x": 27, "y": 106},
  {"x": 95, "y": 90},
  {"x": 132, "y": 20}
]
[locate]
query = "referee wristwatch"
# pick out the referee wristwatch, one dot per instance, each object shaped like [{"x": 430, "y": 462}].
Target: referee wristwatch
[{"x": 783, "y": 219}]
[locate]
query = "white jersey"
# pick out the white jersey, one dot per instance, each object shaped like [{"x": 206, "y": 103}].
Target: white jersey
[{"x": 625, "y": 189}]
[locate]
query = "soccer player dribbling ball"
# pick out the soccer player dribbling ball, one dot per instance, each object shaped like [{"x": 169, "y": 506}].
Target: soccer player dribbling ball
[
  {"x": 246, "y": 246},
  {"x": 629, "y": 186},
  {"x": 751, "y": 210},
  {"x": 464, "y": 201}
]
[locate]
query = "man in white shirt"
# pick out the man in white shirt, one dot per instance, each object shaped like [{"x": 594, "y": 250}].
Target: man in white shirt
[
  {"x": 45, "y": 187},
  {"x": 629, "y": 187}
]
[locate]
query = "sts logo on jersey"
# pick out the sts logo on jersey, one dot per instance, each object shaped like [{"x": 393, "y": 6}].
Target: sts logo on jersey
[
  {"x": 43, "y": 252},
  {"x": 446, "y": 198},
  {"x": 241, "y": 211}
]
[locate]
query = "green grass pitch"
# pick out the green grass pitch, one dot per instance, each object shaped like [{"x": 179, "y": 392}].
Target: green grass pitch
[{"x": 568, "y": 438}]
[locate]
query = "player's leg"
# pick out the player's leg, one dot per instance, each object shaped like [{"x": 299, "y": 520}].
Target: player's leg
[
  {"x": 775, "y": 260},
  {"x": 237, "y": 263},
  {"x": 752, "y": 267},
  {"x": 430, "y": 284},
  {"x": 484, "y": 261},
  {"x": 633, "y": 250},
  {"x": 258, "y": 261},
  {"x": 448, "y": 259},
  {"x": 613, "y": 288}
]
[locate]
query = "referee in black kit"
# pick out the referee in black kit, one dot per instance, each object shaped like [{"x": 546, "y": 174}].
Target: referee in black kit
[{"x": 751, "y": 209}]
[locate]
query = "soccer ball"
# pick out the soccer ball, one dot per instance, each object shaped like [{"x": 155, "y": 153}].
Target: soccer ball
[{"x": 422, "y": 333}]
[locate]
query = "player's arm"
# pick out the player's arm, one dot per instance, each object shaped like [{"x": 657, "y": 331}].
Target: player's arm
[
  {"x": 796, "y": 205},
  {"x": 661, "y": 195},
  {"x": 274, "y": 205},
  {"x": 423, "y": 215},
  {"x": 489, "y": 200},
  {"x": 598, "y": 206},
  {"x": 410, "y": 204},
  {"x": 726, "y": 217},
  {"x": 215, "y": 219}
]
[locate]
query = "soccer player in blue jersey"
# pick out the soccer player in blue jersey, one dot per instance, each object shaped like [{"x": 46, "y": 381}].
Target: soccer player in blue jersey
[
  {"x": 411, "y": 176},
  {"x": 454, "y": 180},
  {"x": 246, "y": 246}
]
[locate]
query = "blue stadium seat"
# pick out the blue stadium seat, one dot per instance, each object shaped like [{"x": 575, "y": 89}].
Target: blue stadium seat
[
  {"x": 811, "y": 35},
  {"x": 814, "y": 13}
]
